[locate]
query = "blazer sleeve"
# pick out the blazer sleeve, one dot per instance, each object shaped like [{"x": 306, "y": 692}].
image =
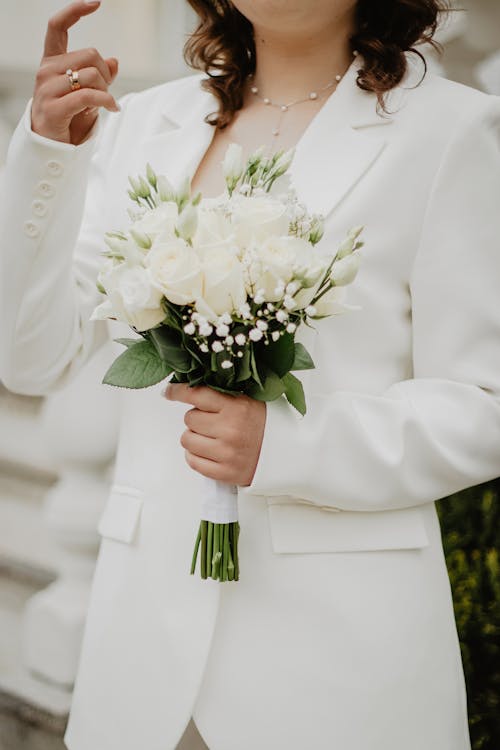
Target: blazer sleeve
[
  {"x": 52, "y": 216},
  {"x": 438, "y": 432}
]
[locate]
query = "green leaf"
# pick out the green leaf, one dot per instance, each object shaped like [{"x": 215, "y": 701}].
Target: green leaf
[
  {"x": 273, "y": 388},
  {"x": 253, "y": 367},
  {"x": 243, "y": 365},
  {"x": 169, "y": 345},
  {"x": 129, "y": 342},
  {"x": 137, "y": 367},
  {"x": 302, "y": 359},
  {"x": 294, "y": 393},
  {"x": 279, "y": 355}
]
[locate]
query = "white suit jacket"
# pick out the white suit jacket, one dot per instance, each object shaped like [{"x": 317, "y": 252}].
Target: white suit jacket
[{"x": 340, "y": 632}]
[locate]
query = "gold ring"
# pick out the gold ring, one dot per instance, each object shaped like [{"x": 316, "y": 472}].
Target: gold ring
[{"x": 74, "y": 79}]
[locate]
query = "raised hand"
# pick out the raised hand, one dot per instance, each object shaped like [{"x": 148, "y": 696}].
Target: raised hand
[{"x": 59, "y": 111}]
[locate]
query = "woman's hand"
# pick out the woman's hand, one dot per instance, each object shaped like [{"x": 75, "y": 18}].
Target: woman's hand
[
  {"x": 224, "y": 433},
  {"x": 58, "y": 112}
]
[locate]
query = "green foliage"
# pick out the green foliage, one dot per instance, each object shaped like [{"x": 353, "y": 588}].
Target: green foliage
[
  {"x": 262, "y": 371},
  {"x": 470, "y": 523},
  {"x": 137, "y": 367}
]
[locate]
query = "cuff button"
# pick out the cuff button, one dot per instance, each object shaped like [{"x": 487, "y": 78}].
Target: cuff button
[
  {"x": 55, "y": 168},
  {"x": 39, "y": 208},
  {"x": 45, "y": 189},
  {"x": 31, "y": 229}
]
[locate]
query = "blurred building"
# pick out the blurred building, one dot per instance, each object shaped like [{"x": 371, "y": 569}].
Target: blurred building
[{"x": 53, "y": 469}]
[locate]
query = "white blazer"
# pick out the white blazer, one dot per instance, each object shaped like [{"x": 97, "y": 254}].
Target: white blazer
[{"x": 340, "y": 633}]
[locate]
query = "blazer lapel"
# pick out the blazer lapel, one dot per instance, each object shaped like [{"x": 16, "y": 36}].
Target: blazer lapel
[
  {"x": 337, "y": 148},
  {"x": 181, "y": 137},
  {"x": 333, "y": 154}
]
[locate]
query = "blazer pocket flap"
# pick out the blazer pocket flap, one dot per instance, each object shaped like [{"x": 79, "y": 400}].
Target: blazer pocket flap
[
  {"x": 302, "y": 527},
  {"x": 121, "y": 514}
]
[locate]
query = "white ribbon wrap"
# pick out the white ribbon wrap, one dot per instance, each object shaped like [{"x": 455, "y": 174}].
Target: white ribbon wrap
[{"x": 219, "y": 502}]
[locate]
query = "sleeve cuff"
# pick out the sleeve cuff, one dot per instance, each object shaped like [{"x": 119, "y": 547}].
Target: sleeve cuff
[
  {"x": 87, "y": 145},
  {"x": 276, "y": 453}
]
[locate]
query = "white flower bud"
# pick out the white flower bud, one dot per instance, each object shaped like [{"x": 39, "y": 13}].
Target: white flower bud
[
  {"x": 150, "y": 173},
  {"x": 347, "y": 247},
  {"x": 291, "y": 328},
  {"x": 222, "y": 330},
  {"x": 281, "y": 316},
  {"x": 292, "y": 288},
  {"x": 233, "y": 164},
  {"x": 344, "y": 271},
  {"x": 241, "y": 339},
  {"x": 262, "y": 325},
  {"x": 217, "y": 347},
  {"x": 206, "y": 329},
  {"x": 310, "y": 310},
  {"x": 289, "y": 302},
  {"x": 141, "y": 238},
  {"x": 190, "y": 329},
  {"x": 226, "y": 364},
  {"x": 240, "y": 354},
  {"x": 187, "y": 222},
  {"x": 284, "y": 162},
  {"x": 229, "y": 340},
  {"x": 204, "y": 348},
  {"x": 225, "y": 318},
  {"x": 280, "y": 289},
  {"x": 275, "y": 335},
  {"x": 184, "y": 192},
  {"x": 165, "y": 189},
  {"x": 255, "y": 334}
]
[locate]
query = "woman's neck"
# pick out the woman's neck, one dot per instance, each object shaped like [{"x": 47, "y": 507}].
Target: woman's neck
[{"x": 289, "y": 69}]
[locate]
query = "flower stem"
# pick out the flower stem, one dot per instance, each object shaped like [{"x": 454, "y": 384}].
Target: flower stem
[
  {"x": 209, "y": 548},
  {"x": 216, "y": 553},
  {"x": 236, "y": 534},
  {"x": 203, "y": 561},
  {"x": 195, "y": 552},
  {"x": 225, "y": 556}
]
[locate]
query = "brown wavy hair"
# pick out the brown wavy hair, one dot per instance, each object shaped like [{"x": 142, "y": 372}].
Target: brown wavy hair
[{"x": 222, "y": 46}]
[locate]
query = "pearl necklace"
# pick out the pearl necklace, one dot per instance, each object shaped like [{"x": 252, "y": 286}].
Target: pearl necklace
[{"x": 285, "y": 106}]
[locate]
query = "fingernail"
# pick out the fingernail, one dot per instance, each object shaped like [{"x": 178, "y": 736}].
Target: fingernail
[{"x": 93, "y": 2}]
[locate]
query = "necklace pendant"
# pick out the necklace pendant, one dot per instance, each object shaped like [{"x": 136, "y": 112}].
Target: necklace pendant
[{"x": 276, "y": 132}]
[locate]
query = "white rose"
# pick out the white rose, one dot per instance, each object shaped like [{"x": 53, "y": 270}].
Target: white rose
[
  {"x": 278, "y": 260},
  {"x": 258, "y": 217},
  {"x": 175, "y": 270},
  {"x": 131, "y": 297},
  {"x": 158, "y": 221},
  {"x": 223, "y": 282},
  {"x": 213, "y": 225}
]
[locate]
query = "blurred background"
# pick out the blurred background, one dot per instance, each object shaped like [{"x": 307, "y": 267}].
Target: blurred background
[{"x": 56, "y": 454}]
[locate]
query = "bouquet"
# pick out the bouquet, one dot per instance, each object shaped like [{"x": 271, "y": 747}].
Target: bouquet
[{"x": 216, "y": 290}]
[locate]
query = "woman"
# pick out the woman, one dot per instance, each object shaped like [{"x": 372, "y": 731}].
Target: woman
[{"x": 340, "y": 632}]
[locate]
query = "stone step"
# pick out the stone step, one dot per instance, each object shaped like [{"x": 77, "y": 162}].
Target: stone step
[{"x": 33, "y": 713}]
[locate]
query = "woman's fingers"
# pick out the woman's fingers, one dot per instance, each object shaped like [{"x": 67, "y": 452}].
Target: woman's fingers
[
  {"x": 58, "y": 111},
  {"x": 56, "y": 38},
  {"x": 60, "y": 85},
  {"x": 80, "y": 58},
  {"x": 201, "y": 446},
  {"x": 66, "y": 107}
]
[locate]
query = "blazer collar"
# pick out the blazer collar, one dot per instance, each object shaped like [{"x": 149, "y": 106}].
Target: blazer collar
[{"x": 333, "y": 154}]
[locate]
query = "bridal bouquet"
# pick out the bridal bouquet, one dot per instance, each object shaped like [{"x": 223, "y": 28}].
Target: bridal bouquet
[{"x": 217, "y": 290}]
